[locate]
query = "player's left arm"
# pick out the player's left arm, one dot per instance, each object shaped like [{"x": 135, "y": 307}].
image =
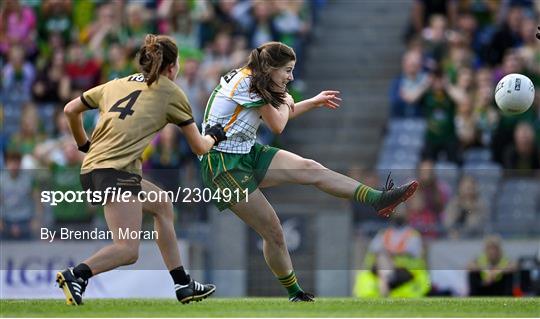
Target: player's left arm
[
  {"x": 328, "y": 99},
  {"x": 73, "y": 111},
  {"x": 276, "y": 119}
]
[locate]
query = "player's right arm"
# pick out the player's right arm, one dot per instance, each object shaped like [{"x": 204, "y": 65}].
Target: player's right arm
[
  {"x": 199, "y": 144},
  {"x": 179, "y": 113},
  {"x": 73, "y": 111},
  {"x": 89, "y": 100}
]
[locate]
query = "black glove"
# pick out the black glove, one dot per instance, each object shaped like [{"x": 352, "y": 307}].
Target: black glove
[
  {"x": 216, "y": 132},
  {"x": 538, "y": 34},
  {"x": 85, "y": 147}
]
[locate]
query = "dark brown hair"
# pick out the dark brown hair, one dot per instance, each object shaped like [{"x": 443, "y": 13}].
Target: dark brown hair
[
  {"x": 155, "y": 55},
  {"x": 261, "y": 62}
]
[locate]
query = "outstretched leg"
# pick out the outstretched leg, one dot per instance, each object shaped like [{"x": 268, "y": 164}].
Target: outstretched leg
[{"x": 287, "y": 167}]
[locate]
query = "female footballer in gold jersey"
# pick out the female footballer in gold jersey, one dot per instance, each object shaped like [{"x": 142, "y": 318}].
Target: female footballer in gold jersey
[{"x": 132, "y": 110}]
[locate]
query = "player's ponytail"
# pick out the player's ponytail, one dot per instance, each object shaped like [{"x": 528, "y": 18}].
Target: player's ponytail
[
  {"x": 155, "y": 55},
  {"x": 262, "y": 60}
]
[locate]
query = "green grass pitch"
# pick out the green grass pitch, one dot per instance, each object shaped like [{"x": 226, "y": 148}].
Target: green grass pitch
[{"x": 277, "y": 307}]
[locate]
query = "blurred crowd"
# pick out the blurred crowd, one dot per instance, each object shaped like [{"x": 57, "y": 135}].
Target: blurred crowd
[
  {"x": 53, "y": 50},
  {"x": 478, "y": 169},
  {"x": 456, "y": 53}
]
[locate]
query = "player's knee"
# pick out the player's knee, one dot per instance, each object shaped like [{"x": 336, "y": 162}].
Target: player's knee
[
  {"x": 311, "y": 164},
  {"x": 308, "y": 175}
]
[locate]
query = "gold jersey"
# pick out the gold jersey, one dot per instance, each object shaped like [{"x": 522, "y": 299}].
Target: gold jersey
[{"x": 131, "y": 113}]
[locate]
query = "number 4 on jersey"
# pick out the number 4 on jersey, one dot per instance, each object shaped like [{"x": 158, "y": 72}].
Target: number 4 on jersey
[{"x": 125, "y": 111}]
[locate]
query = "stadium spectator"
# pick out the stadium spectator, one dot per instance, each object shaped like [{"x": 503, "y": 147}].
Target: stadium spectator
[
  {"x": 421, "y": 217},
  {"x": 440, "y": 141},
  {"x": 61, "y": 129},
  {"x": 218, "y": 58},
  {"x": 52, "y": 146},
  {"x": 55, "y": 17},
  {"x": 54, "y": 43},
  {"x": 63, "y": 168},
  {"x": 137, "y": 25},
  {"x": 3, "y": 139},
  {"x": 523, "y": 157},
  {"x": 485, "y": 112},
  {"x": 458, "y": 57},
  {"x": 17, "y": 27},
  {"x": 477, "y": 22},
  {"x": 511, "y": 63},
  {"x": 484, "y": 12},
  {"x": 293, "y": 25},
  {"x": 435, "y": 38},
  {"x": 28, "y": 136},
  {"x": 83, "y": 70},
  {"x": 17, "y": 78},
  {"x": 193, "y": 85},
  {"x": 529, "y": 53},
  {"x": 118, "y": 65},
  {"x": 466, "y": 125},
  {"x": 490, "y": 274},
  {"x": 506, "y": 37},
  {"x": 83, "y": 15},
  {"x": 180, "y": 20},
  {"x": 394, "y": 264},
  {"x": 536, "y": 121},
  {"x": 407, "y": 90},
  {"x": 462, "y": 90},
  {"x": 261, "y": 28},
  {"x": 20, "y": 215},
  {"x": 52, "y": 85},
  {"x": 165, "y": 158},
  {"x": 219, "y": 16},
  {"x": 423, "y": 10},
  {"x": 436, "y": 192},
  {"x": 503, "y": 135},
  {"x": 105, "y": 30},
  {"x": 466, "y": 214},
  {"x": 467, "y": 32}
]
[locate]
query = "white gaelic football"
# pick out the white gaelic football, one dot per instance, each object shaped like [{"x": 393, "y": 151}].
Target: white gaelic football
[{"x": 514, "y": 93}]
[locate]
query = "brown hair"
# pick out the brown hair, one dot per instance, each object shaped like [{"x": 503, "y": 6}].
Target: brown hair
[
  {"x": 155, "y": 55},
  {"x": 261, "y": 62}
]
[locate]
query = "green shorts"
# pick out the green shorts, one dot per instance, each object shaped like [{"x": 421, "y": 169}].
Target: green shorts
[{"x": 240, "y": 174}]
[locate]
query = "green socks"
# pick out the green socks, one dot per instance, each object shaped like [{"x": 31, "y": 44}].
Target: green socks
[
  {"x": 290, "y": 283},
  {"x": 366, "y": 194}
]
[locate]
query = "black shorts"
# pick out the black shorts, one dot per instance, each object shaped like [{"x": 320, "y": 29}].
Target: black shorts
[{"x": 102, "y": 178}]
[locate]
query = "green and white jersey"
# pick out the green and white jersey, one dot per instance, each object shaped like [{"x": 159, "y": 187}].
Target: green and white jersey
[{"x": 232, "y": 106}]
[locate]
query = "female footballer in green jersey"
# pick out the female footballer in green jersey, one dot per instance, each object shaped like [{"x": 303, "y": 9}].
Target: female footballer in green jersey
[
  {"x": 132, "y": 110},
  {"x": 243, "y": 99}
]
